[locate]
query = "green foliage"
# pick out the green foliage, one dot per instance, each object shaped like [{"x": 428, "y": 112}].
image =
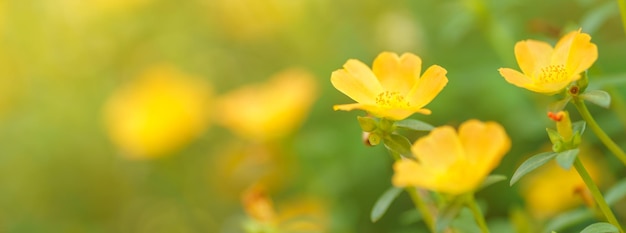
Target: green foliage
[
  {"x": 565, "y": 159},
  {"x": 600, "y": 227},
  {"x": 383, "y": 203},
  {"x": 598, "y": 97},
  {"x": 531, "y": 164},
  {"x": 413, "y": 124}
]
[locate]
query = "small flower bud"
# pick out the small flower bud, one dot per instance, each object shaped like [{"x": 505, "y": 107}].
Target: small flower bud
[
  {"x": 371, "y": 139},
  {"x": 367, "y": 124}
]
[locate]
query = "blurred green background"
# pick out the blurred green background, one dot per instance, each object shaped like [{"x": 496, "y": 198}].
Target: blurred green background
[{"x": 60, "y": 61}]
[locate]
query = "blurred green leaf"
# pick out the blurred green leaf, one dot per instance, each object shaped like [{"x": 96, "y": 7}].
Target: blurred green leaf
[
  {"x": 448, "y": 213},
  {"x": 598, "y": 16},
  {"x": 598, "y": 97},
  {"x": 554, "y": 136},
  {"x": 616, "y": 193},
  {"x": 398, "y": 144},
  {"x": 600, "y": 227},
  {"x": 559, "y": 105},
  {"x": 383, "y": 202},
  {"x": 568, "y": 219},
  {"x": 412, "y": 124},
  {"x": 579, "y": 127},
  {"x": 566, "y": 158},
  {"x": 491, "y": 179},
  {"x": 531, "y": 164}
]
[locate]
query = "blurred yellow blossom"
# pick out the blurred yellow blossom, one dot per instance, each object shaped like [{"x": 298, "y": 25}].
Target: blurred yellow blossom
[
  {"x": 393, "y": 88},
  {"x": 549, "y": 70},
  {"x": 271, "y": 110},
  {"x": 550, "y": 189},
  {"x": 157, "y": 113},
  {"x": 454, "y": 163},
  {"x": 302, "y": 214}
]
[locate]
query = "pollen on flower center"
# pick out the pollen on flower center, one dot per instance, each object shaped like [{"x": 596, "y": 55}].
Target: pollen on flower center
[
  {"x": 552, "y": 74},
  {"x": 391, "y": 99}
]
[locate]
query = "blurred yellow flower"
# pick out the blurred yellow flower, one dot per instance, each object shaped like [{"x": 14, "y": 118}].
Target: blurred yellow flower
[
  {"x": 549, "y": 70},
  {"x": 300, "y": 215},
  {"x": 157, "y": 113},
  {"x": 550, "y": 189},
  {"x": 271, "y": 110},
  {"x": 454, "y": 163},
  {"x": 393, "y": 88}
]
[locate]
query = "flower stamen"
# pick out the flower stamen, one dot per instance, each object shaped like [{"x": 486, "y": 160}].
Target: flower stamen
[
  {"x": 552, "y": 74},
  {"x": 391, "y": 99}
]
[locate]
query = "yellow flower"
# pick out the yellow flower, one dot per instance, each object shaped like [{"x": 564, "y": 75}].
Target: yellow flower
[
  {"x": 454, "y": 163},
  {"x": 159, "y": 112},
  {"x": 302, "y": 214},
  {"x": 550, "y": 189},
  {"x": 268, "y": 111},
  {"x": 549, "y": 70},
  {"x": 393, "y": 88}
]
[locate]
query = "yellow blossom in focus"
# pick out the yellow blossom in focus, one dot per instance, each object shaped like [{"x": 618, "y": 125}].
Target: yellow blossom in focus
[
  {"x": 160, "y": 111},
  {"x": 451, "y": 162},
  {"x": 270, "y": 110},
  {"x": 393, "y": 88},
  {"x": 549, "y": 70},
  {"x": 550, "y": 189}
]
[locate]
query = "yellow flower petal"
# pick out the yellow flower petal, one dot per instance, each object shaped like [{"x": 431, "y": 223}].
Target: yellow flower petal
[
  {"x": 441, "y": 141},
  {"x": 428, "y": 86},
  {"x": 409, "y": 173},
  {"x": 550, "y": 71},
  {"x": 582, "y": 54},
  {"x": 393, "y": 90},
  {"x": 563, "y": 48},
  {"x": 356, "y": 81},
  {"x": 454, "y": 163},
  {"x": 532, "y": 55},
  {"x": 515, "y": 77},
  {"x": 484, "y": 143},
  {"x": 397, "y": 73}
]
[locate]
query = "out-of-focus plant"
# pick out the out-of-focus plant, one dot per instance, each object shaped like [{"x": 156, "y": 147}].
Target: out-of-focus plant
[{"x": 157, "y": 113}]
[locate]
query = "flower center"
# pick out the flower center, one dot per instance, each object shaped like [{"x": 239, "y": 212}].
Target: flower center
[
  {"x": 552, "y": 74},
  {"x": 391, "y": 99}
]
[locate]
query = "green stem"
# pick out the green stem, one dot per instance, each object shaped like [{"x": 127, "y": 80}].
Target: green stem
[
  {"x": 622, "y": 10},
  {"x": 597, "y": 195},
  {"x": 417, "y": 200},
  {"x": 478, "y": 215},
  {"x": 608, "y": 142}
]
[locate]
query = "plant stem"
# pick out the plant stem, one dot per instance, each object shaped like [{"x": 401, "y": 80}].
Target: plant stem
[
  {"x": 597, "y": 195},
  {"x": 608, "y": 142},
  {"x": 478, "y": 215},
  {"x": 622, "y": 10},
  {"x": 417, "y": 200}
]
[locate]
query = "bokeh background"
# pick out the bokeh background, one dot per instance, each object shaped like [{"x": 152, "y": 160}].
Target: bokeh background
[{"x": 186, "y": 116}]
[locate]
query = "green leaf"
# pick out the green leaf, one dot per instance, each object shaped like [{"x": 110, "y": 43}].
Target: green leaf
[
  {"x": 554, "y": 136},
  {"x": 383, "y": 202},
  {"x": 412, "y": 124},
  {"x": 559, "y": 105},
  {"x": 616, "y": 193},
  {"x": 531, "y": 164},
  {"x": 448, "y": 213},
  {"x": 566, "y": 158},
  {"x": 568, "y": 219},
  {"x": 599, "y": 97},
  {"x": 608, "y": 80},
  {"x": 492, "y": 179},
  {"x": 600, "y": 227},
  {"x": 398, "y": 144},
  {"x": 579, "y": 127}
]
